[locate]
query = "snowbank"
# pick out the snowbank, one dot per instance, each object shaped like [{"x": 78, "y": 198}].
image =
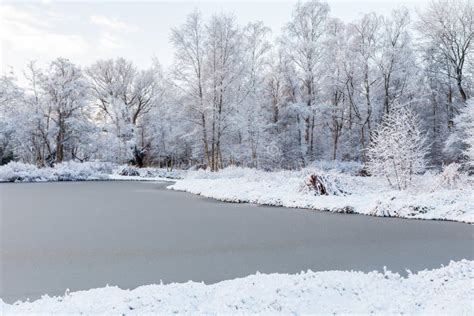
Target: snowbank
[
  {"x": 448, "y": 290},
  {"x": 86, "y": 171},
  {"x": 363, "y": 195}
]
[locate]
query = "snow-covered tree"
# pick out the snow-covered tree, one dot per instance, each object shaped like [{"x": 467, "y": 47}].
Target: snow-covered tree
[
  {"x": 252, "y": 111},
  {"x": 230, "y": 98},
  {"x": 49, "y": 121},
  {"x": 460, "y": 144},
  {"x": 124, "y": 96},
  {"x": 189, "y": 78},
  {"x": 398, "y": 148},
  {"x": 209, "y": 69},
  {"x": 395, "y": 57},
  {"x": 302, "y": 42},
  {"x": 337, "y": 105},
  {"x": 65, "y": 91},
  {"x": 449, "y": 24},
  {"x": 363, "y": 46},
  {"x": 11, "y": 97},
  {"x": 445, "y": 29}
]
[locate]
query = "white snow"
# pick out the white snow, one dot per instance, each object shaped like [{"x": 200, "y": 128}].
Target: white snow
[
  {"x": 447, "y": 290},
  {"x": 117, "y": 177},
  {"x": 364, "y": 195},
  {"x": 86, "y": 171}
]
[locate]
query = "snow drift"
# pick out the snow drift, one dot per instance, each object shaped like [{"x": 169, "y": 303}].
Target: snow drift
[{"x": 448, "y": 290}]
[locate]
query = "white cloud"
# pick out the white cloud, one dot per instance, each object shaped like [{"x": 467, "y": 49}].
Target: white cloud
[
  {"x": 24, "y": 31},
  {"x": 9, "y": 13},
  {"x": 108, "y": 41},
  {"x": 111, "y": 31},
  {"x": 112, "y": 24}
]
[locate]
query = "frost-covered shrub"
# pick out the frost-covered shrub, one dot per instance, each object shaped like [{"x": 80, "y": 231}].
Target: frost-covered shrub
[
  {"x": 21, "y": 172},
  {"x": 398, "y": 148},
  {"x": 451, "y": 178},
  {"x": 80, "y": 171},
  {"x": 160, "y": 173},
  {"x": 382, "y": 209},
  {"x": 66, "y": 171},
  {"x": 149, "y": 172},
  {"x": 391, "y": 209},
  {"x": 460, "y": 143}
]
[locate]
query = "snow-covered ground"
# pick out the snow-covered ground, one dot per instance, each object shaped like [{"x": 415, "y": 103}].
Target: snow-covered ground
[
  {"x": 428, "y": 198},
  {"x": 447, "y": 290},
  {"x": 87, "y": 171}
]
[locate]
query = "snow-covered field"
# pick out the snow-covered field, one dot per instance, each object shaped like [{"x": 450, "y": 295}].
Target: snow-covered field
[
  {"x": 428, "y": 198},
  {"x": 447, "y": 290}
]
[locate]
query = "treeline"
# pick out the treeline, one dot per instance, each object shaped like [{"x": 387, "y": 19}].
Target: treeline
[{"x": 232, "y": 97}]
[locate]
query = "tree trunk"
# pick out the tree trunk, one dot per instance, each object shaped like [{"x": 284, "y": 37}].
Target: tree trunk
[
  {"x": 334, "y": 149},
  {"x": 204, "y": 139},
  {"x": 60, "y": 141}
]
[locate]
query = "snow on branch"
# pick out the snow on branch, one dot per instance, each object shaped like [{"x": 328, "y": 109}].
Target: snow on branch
[{"x": 398, "y": 148}]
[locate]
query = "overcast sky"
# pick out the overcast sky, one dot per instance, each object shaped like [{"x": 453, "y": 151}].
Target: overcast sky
[{"x": 85, "y": 31}]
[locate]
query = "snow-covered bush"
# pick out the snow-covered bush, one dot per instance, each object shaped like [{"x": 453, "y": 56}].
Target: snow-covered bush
[
  {"x": 398, "y": 148},
  {"x": 460, "y": 143},
  {"x": 133, "y": 171},
  {"x": 21, "y": 172},
  {"x": 161, "y": 173},
  {"x": 451, "y": 177},
  {"x": 81, "y": 171},
  {"x": 66, "y": 171}
]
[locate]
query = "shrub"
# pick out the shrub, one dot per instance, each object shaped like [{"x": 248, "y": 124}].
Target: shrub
[
  {"x": 451, "y": 178},
  {"x": 397, "y": 151}
]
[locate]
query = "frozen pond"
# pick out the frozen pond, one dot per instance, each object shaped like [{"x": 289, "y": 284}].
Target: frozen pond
[{"x": 81, "y": 235}]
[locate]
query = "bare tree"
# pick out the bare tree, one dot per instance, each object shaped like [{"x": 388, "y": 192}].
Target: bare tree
[
  {"x": 394, "y": 58},
  {"x": 449, "y": 24},
  {"x": 303, "y": 37},
  {"x": 225, "y": 68},
  {"x": 364, "y": 45},
  {"x": 256, "y": 48},
  {"x": 188, "y": 72}
]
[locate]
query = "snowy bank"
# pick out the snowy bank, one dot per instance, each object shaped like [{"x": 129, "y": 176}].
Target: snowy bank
[
  {"x": 86, "y": 171},
  {"x": 361, "y": 195},
  {"x": 448, "y": 290}
]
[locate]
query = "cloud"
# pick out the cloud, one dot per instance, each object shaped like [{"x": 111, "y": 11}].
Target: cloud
[
  {"x": 25, "y": 31},
  {"x": 112, "y": 24},
  {"x": 110, "y": 36},
  {"x": 108, "y": 41}
]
